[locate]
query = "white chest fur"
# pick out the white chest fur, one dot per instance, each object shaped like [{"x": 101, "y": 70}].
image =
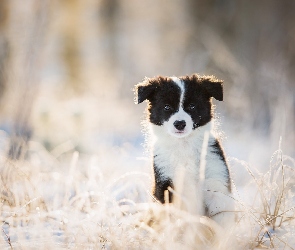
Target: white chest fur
[
  {"x": 178, "y": 159},
  {"x": 172, "y": 154}
]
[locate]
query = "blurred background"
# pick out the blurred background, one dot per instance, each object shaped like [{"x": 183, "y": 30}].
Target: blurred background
[{"x": 68, "y": 67}]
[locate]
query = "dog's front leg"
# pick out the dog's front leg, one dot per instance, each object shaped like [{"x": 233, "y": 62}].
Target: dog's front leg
[
  {"x": 160, "y": 185},
  {"x": 219, "y": 204}
]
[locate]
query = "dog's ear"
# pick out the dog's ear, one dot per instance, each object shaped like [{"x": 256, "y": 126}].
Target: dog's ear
[
  {"x": 144, "y": 90},
  {"x": 214, "y": 87}
]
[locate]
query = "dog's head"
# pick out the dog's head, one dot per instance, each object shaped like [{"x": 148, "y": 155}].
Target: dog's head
[{"x": 182, "y": 104}]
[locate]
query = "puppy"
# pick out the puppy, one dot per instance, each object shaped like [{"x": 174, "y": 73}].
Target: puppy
[{"x": 188, "y": 159}]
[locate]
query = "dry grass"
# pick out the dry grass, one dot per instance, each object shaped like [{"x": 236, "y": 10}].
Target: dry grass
[
  {"x": 75, "y": 203},
  {"x": 78, "y": 209},
  {"x": 267, "y": 206}
]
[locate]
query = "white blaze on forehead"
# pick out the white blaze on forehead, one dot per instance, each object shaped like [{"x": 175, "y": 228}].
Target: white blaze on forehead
[
  {"x": 180, "y": 115},
  {"x": 180, "y": 84}
]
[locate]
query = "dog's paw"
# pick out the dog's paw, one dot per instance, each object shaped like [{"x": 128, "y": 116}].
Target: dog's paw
[{"x": 220, "y": 208}]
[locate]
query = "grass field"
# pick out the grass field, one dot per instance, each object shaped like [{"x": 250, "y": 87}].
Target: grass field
[{"x": 103, "y": 201}]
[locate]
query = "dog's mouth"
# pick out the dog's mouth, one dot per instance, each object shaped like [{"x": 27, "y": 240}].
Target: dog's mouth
[{"x": 180, "y": 133}]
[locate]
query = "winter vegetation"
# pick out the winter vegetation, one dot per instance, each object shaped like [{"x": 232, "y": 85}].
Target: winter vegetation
[{"x": 75, "y": 170}]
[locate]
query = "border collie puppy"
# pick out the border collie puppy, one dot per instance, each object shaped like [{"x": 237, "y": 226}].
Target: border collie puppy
[{"x": 188, "y": 160}]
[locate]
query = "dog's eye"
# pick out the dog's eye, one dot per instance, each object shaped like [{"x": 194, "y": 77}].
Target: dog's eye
[
  {"x": 167, "y": 107},
  {"x": 191, "y": 106}
]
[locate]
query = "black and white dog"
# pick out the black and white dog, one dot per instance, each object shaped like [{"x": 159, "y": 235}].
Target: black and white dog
[{"x": 181, "y": 118}]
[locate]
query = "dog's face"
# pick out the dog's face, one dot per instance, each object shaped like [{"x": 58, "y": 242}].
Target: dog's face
[{"x": 180, "y": 105}]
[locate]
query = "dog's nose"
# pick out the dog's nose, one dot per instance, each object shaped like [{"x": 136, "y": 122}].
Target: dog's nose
[{"x": 180, "y": 125}]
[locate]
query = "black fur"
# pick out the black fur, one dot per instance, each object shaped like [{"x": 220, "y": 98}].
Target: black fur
[
  {"x": 159, "y": 92},
  {"x": 198, "y": 95},
  {"x": 161, "y": 185},
  {"x": 217, "y": 149},
  {"x": 213, "y": 86}
]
